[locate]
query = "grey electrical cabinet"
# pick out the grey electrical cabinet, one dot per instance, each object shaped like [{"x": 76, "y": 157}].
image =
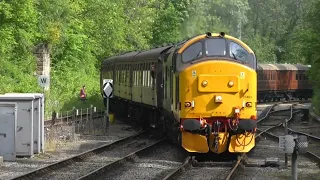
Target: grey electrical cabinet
[
  {"x": 8, "y": 122},
  {"x": 38, "y": 123},
  {"x": 24, "y": 126}
]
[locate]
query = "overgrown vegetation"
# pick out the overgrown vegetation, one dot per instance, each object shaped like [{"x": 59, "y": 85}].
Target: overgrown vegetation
[{"x": 81, "y": 33}]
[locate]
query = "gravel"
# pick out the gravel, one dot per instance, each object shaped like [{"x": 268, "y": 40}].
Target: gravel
[
  {"x": 267, "y": 173},
  {"x": 95, "y": 161},
  {"x": 268, "y": 148},
  {"x": 64, "y": 149},
  {"x": 204, "y": 173},
  {"x": 156, "y": 163}
]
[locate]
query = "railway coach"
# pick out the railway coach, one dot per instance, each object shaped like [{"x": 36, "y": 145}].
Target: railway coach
[
  {"x": 276, "y": 81},
  {"x": 202, "y": 92}
]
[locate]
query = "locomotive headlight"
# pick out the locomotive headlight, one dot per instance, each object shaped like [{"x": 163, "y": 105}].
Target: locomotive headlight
[
  {"x": 218, "y": 99},
  {"x": 204, "y": 83},
  {"x": 231, "y": 83},
  {"x": 237, "y": 110}
]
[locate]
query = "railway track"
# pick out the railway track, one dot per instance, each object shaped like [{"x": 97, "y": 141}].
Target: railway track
[
  {"x": 133, "y": 166},
  {"x": 189, "y": 165},
  {"x": 173, "y": 172},
  {"x": 95, "y": 161},
  {"x": 275, "y": 124},
  {"x": 275, "y": 130}
]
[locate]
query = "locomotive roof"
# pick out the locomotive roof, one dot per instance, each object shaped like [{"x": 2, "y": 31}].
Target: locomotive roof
[{"x": 283, "y": 67}]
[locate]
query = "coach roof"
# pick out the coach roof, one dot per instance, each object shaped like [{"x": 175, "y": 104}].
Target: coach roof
[
  {"x": 137, "y": 55},
  {"x": 283, "y": 67}
]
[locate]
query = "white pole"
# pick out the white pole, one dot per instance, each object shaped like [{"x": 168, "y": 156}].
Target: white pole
[{"x": 107, "y": 107}]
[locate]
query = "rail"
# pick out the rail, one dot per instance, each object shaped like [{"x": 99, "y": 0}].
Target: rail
[
  {"x": 96, "y": 173},
  {"x": 309, "y": 154},
  {"x": 231, "y": 173},
  {"x": 178, "y": 170},
  {"x": 268, "y": 113},
  {"x": 52, "y": 167}
]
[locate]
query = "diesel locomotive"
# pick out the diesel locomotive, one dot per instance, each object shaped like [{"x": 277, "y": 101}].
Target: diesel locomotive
[{"x": 201, "y": 92}]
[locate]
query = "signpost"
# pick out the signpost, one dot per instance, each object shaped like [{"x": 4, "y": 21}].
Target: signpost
[
  {"x": 107, "y": 93},
  {"x": 293, "y": 144},
  {"x": 44, "y": 81}
]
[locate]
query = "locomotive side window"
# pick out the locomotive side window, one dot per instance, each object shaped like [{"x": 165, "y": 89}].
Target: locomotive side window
[
  {"x": 192, "y": 52},
  {"x": 239, "y": 53},
  {"x": 216, "y": 47}
]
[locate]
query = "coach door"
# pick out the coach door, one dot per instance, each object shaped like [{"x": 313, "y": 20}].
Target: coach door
[{"x": 159, "y": 83}]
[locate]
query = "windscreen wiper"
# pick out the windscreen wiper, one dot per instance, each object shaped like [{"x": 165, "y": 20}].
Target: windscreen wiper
[{"x": 234, "y": 56}]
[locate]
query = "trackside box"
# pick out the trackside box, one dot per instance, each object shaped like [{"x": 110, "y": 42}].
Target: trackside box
[
  {"x": 38, "y": 123},
  {"x": 8, "y": 122},
  {"x": 24, "y": 127}
]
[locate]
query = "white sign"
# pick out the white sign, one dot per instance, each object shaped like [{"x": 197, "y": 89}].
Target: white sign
[
  {"x": 107, "y": 88},
  {"x": 194, "y": 73},
  {"x": 242, "y": 75},
  {"x": 286, "y": 143},
  {"x": 44, "y": 81}
]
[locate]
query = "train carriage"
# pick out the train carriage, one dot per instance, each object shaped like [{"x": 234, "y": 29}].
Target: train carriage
[
  {"x": 201, "y": 91},
  {"x": 276, "y": 81}
]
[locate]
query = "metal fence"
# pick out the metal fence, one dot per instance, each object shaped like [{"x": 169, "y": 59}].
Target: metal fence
[{"x": 67, "y": 124}]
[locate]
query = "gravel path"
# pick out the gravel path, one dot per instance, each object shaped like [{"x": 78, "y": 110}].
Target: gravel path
[{"x": 115, "y": 132}]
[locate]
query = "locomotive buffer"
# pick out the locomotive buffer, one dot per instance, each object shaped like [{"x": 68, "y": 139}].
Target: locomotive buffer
[{"x": 107, "y": 93}]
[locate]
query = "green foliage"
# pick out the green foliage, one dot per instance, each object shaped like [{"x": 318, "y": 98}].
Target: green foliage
[{"x": 82, "y": 33}]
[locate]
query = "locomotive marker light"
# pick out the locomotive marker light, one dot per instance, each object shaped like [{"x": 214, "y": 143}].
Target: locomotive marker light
[
  {"x": 187, "y": 104},
  {"x": 293, "y": 144},
  {"x": 249, "y": 104}
]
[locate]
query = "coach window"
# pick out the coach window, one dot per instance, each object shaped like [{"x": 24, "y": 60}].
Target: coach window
[
  {"x": 216, "y": 47},
  {"x": 134, "y": 74},
  {"x": 192, "y": 52}
]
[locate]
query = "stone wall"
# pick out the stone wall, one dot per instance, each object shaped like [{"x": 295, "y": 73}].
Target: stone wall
[{"x": 42, "y": 53}]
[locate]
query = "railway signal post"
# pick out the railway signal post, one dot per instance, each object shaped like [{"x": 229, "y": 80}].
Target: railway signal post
[
  {"x": 107, "y": 93},
  {"x": 293, "y": 144}
]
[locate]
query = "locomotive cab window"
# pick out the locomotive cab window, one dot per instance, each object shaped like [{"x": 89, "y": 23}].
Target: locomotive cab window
[
  {"x": 192, "y": 52},
  {"x": 239, "y": 53},
  {"x": 215, "y": 47}
]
